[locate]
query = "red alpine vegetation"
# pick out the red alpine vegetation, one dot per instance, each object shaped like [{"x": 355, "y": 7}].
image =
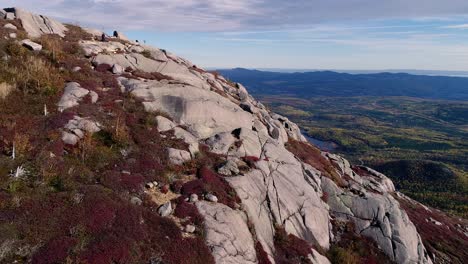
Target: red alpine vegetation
[{"x": 313, "y": 156}]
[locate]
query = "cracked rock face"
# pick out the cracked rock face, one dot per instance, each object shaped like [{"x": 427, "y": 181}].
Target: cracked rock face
[
  {"x": 37, "y": 25},
  {"x": 279, "y": 192},
  {"x": 379, "y": 217},
  {"x": 205, "y": 112},
  {"x": 227, "y": 234}
]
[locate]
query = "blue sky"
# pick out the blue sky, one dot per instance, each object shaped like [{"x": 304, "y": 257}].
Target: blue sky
[{"x": 301, "y": 34}]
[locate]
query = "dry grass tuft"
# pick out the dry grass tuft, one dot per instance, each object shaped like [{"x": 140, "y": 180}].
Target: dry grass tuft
[
  {"x": 30, "y": 73},
  {"x": 5, "y": 90}
]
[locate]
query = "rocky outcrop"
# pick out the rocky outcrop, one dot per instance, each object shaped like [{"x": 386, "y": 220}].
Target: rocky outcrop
[
  {"x": 178, "y": 156},
  {"x": 227, "y": 234},
  {"x": 379, "y": 217},
  {"x": 276, "y": 187},
  {"x": 72, "y": 95},
  {"x": 77, "y": 128},
  {"x": 280, "y": 189},
  {"x": 36, "y": 25}
]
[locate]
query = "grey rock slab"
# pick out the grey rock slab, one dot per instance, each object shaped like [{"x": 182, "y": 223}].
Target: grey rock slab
[
  {"x": 227, "y": 234},
  {"x": 164, "y": 124},
  {"x": 73, "y": 93},
  {"x": 117, "y": 69},
  {"x": 91, "y": 47},
  {"x": 278, "y": 193},
  {"x": 221, "y": 143},
  {"x": 205, "y": 112},
  {"x": 76, "y": 128},
  {"x": 188, "y": 138},
  {"x": 211, "y": 198},
  {"x": 94, "y": 97},
  {"x": 31, "y": 45},
  {"x": 379, "y": 217},
  {"x": 131, "y": 60},
  {"x": 37, "y": 25},
  {"x": 193, "y": 198},
  {"x": 229, "y": 168},
  {"x": 94, "y": 32},
  {"x": 165, "y": 209},
  {"x": 178, "y": 157},
  {"x": 10, "y": 26},
  {"x": 10, "y": 16},
  {"x": 136, "y": 201},
  {"x": 189, "y": 228},
  {"x": 136, "y": 48},
  {"x": 252, "y": 143},
  {"x": 69, "y": 138}
]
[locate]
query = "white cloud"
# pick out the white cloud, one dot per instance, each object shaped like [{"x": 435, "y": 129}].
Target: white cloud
[
  {"x": 461, "y": 26},
  {"x": 231, "y": 15}
]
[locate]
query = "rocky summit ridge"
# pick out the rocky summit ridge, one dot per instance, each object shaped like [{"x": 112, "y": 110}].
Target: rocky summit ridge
[{"x": 262, "y": 192}]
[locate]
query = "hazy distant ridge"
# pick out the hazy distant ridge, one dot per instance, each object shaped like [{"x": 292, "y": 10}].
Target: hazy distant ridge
[{"x": 329, "y": 83}]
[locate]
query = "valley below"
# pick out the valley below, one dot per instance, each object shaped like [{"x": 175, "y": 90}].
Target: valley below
[{"x": 421, "y": 144}]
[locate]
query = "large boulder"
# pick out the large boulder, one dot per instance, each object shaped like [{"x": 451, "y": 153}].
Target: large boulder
[
  {"x": 37, "y": 25},
  {"x": 205, "y": 113},
  {"x": 379, "y": 217},
  {"x": 31, "y": 45},
  {"x": 175, "y": 69},
  {"x": 72, "y": 95},
  {"x": 77, "y": 128},
  {"x": 10, "y": 26},
  {"x": 177, "y": 156},
  {"x": 227, "y": 234}
]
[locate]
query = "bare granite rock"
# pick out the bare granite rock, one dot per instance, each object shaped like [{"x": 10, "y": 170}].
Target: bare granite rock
[
  {"x": 37, "y": 25},
  {"x": 31, "y": 45},
  {"x": 178, "y": 156},
  {"x": 227, "y": 233},
  {"x": 73, "y": 93},
  {"x": 10, "y": 26}
]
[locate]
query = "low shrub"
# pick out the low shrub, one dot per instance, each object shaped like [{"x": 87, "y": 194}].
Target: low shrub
[
  {"x": 103, "y": 68},
  {"x": 157, "y": 76},
  {"x": 325, "y": 197},
  {"x": 313, "y": 156},
  {"x": 76, "y": 33},
  {"x": 291, "y": 249},
  {"x": 55, "y": 251},
  {"x": 210, "y": 182},
  {"x": 338, "y": 255},
  {"x": 262, "y": 256},
  {"x": 188, "y": 211},
  {"x": 29, "y": 72}
]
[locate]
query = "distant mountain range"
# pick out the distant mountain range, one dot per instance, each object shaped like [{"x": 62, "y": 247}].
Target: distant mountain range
[{"x": 330, "y": 83}]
